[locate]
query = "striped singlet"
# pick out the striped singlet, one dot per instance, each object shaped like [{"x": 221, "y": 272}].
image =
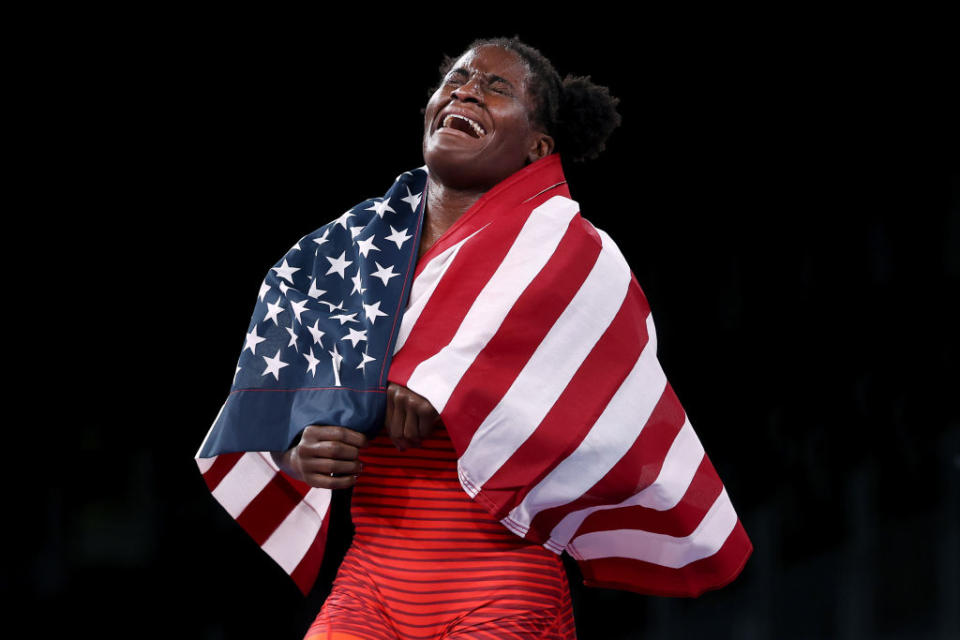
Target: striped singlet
[{"x": 428, "y": 563}]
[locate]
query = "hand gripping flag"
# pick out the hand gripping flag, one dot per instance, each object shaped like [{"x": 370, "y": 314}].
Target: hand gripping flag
[
  {"x": 317, "y": 351},
  {"x": 529, "y": 334}
]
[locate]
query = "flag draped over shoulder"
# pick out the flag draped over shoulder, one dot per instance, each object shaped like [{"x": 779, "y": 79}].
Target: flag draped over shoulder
[
  {"x": 529, "y": 334},
  {"x": 525, "y": 328},
  {"x": 317, "y": 351}
]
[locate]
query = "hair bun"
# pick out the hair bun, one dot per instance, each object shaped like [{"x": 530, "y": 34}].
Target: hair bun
[{"x": 586, "y": 117}]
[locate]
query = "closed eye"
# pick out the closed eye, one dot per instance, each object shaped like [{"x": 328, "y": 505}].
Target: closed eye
[
  {"x": 497, "y": 84},
  {"x": 456, "y": 76}
]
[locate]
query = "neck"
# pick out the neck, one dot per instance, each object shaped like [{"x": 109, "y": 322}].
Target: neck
[{"x": 444, "y": 205}]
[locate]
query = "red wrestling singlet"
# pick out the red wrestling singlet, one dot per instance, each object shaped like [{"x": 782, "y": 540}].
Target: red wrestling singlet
[{"x": 428, "y": 563}]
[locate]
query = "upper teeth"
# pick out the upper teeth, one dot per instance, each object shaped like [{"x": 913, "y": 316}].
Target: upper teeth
[{"x": 476, "y": 126}]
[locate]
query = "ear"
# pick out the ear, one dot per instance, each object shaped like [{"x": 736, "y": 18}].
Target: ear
[{"x": 540, "y": 147}]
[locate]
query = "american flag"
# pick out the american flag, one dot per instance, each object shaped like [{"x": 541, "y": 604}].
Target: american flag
[
  {"x": 317, "y": 351},
  {"x": 527, "y": 331}
]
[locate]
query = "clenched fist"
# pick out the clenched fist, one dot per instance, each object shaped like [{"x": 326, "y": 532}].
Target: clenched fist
[
  {"x": 410, "y": 417},
  {"x": 325, "y": 457}
]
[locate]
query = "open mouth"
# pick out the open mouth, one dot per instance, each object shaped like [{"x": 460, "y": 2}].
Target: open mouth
[{"x": 462, "y": 123}]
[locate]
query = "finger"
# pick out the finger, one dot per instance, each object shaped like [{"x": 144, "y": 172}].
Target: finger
[
  {"x": 399, "y": 441},
  {"x": 411, "y": 427},
  {"x": 353, "y": 438},
  {"x": 335, "y": 450},
  {"x": 390, "y": 423},
  {"x": 397, "y": 416},
  {"x": 391, "y": 394},
  {"x": 322, "y": 481},
  {"x": 326, "y": 466},
  {"x": 318, "y": 433},
  {"x": 428, "y": 418}
]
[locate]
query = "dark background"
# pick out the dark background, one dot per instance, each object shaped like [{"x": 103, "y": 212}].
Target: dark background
[{"x": 787, "y": 197}]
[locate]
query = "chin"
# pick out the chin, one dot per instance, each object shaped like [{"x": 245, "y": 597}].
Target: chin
[
  {"x": 465, "y": 171},
  {"x": 460, "y": 176},
  {"x": 455, "y": 170}
]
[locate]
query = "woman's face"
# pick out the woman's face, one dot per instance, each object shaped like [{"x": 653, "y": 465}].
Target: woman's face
[{"x": 477, "y": 126}]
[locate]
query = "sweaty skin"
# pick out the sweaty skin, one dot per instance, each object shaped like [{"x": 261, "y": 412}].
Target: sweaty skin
[{"x": 490, "y": 86}]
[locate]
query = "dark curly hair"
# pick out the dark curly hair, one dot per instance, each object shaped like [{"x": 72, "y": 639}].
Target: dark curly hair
[{"x": 578, "y": 114}]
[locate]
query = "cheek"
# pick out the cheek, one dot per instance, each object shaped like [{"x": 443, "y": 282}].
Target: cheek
[
  {"x": 432, "y": 106},
  {"x": 516, "y": 131}
]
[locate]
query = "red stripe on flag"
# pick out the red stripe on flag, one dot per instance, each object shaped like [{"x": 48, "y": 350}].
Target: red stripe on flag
[
  {"x": 638, "y": 468},
  {"x": 691, "y": 580},
  {"x": 309, "y": 567},
  {"x": 453, "y": 296},
  {"x": 267, "y": 511},
  {"x": 527, "y": 323},
  {"x": 220, "y": 468},
  {"x": 680, "y": 521},
  {"x": 582, "y": 402}
]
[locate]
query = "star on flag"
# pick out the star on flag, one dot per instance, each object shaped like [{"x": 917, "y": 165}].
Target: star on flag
[
  {"x": 274, "y": 310},
  {"x": 312, "y": 361},
  {"x": 286, "y": 272},
  {"x": 252, "y": 341},
  {"x": 274, "y": 365},
  {"x": 355, "y": 336},
  {"x": 412, "y": 199},
  {"x": 398, "y": 236},
  {"x": 384, "y": 273},
  {"x": 372, "y": 311},
  {"x": 366, "y": 246},
  {"x": 339, "y": 265},
  {"x": 366, "y": 358},
  {"x": 381, "y": 207}
]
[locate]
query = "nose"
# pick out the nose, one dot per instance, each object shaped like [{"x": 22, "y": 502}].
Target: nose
[{"x": 469, "y": 91}]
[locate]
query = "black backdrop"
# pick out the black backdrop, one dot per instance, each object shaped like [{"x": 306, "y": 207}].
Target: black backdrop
[{"x": 785, "y": 197}]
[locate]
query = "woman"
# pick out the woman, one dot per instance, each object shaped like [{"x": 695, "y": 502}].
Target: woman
[
  {"x": 518, "y": 305},
  {"x": 523, "y": 590}
]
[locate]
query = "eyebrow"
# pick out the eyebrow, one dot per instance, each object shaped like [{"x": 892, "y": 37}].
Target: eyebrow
[{"x": 493, "y": 77}]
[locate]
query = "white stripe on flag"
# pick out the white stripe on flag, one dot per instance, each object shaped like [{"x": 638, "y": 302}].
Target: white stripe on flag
[
  {"x": 243, "y": 483},
  {"x": 437, "y": 376},
  {"x": 657, "y": 548},
  {"x": 548, "y": 372},
  {"x": 679, "y": 466},
  {"x": 205, "y": 463},
  {"x": 423, "y": 287},
  {"x": 292, "y": 539},
  {"x": 608, "y": 440},
  {"x": 676, "y": 473}
]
